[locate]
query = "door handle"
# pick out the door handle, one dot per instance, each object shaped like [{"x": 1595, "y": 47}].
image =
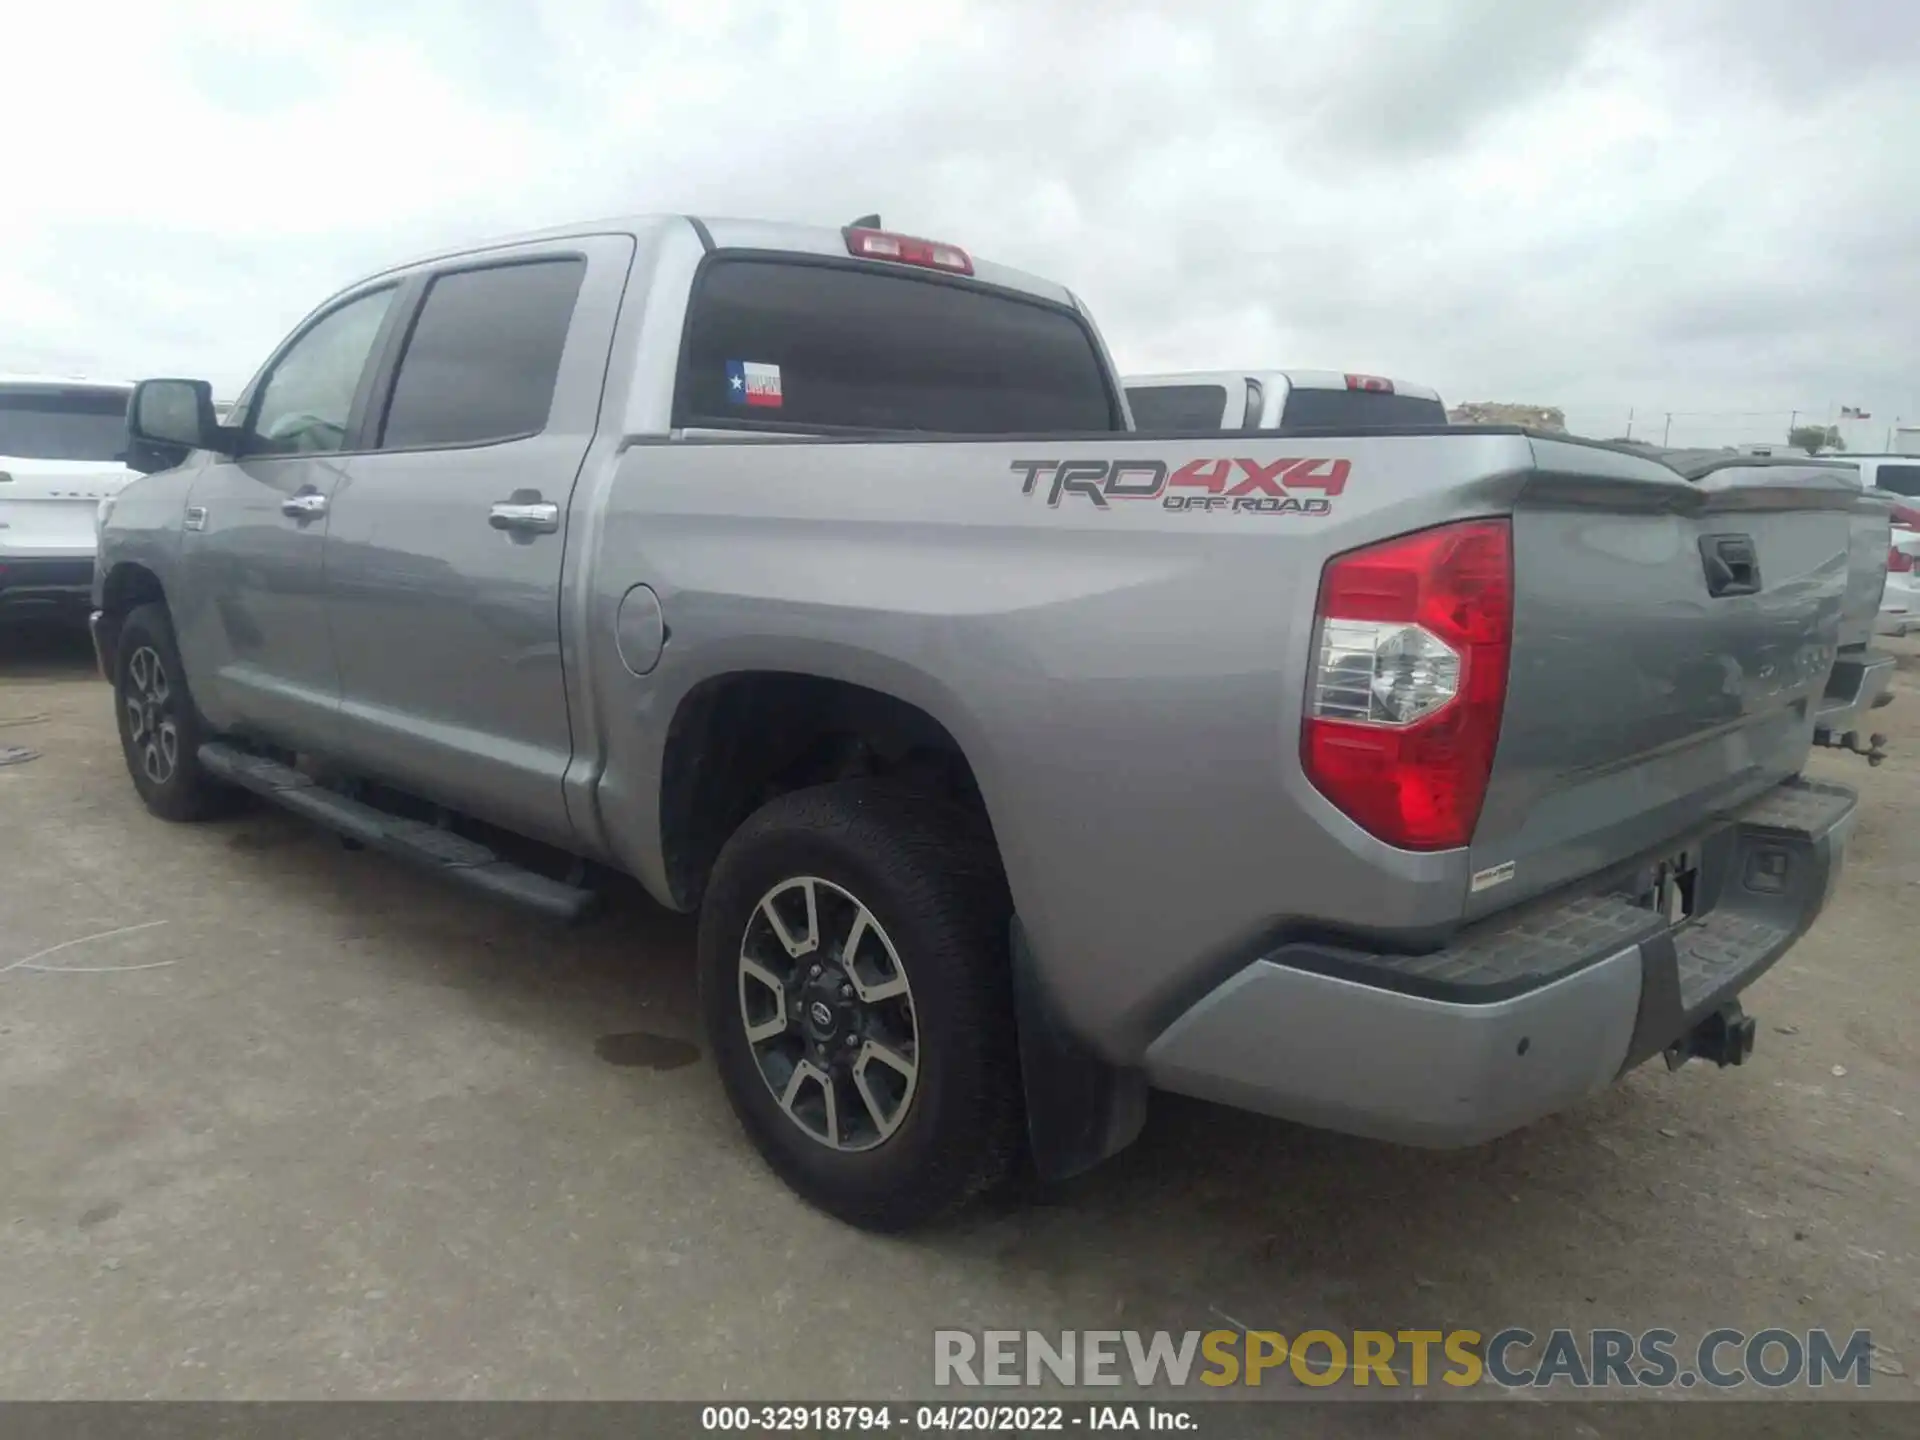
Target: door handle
[
  {"x": 527, "y": 517},
  {"x": 1732, "y": 565},
  {"x": 306, "y": 505}
]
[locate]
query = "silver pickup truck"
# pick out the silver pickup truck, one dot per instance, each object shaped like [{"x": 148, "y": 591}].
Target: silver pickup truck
[{"x": 1415, "y": 785}]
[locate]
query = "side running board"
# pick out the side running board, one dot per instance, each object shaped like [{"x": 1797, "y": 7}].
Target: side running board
[{"x": 456, "y": 858}]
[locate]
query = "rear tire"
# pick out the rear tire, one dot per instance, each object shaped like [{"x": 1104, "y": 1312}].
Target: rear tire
[
  {"x": 160, "y": 730},
  {"x": 908, "y": 1100}
]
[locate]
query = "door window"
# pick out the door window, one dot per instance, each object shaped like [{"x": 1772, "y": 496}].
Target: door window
[
  {"x": 307, "y": 402},
  {"x": 484, "y": 355}
]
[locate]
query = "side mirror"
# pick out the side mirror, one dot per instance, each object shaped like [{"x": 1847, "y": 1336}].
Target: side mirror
[{"x": 166, "y": 419}]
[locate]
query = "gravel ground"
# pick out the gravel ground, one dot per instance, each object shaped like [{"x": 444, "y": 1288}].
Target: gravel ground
[{"x": 306, "y": 1125}]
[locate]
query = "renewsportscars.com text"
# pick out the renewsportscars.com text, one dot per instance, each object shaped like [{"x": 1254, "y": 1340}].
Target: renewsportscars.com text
[{"x": 1515, "y": 1358}]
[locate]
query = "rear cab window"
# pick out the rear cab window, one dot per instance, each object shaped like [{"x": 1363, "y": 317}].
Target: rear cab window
[
  {"x": 1179, "y": 407},
  {"x": 63, "y": 422},
  {"x": 1900, "y": 479},
  {"x": 795, "y": 345},
  {"x": 1309, "y": 408}
]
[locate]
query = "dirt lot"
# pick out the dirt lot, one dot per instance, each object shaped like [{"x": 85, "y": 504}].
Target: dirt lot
[{"x": 281, "y": 1120}]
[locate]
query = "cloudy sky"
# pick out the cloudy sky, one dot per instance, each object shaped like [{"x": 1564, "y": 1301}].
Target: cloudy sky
[{"x": 1684, "y": 205}]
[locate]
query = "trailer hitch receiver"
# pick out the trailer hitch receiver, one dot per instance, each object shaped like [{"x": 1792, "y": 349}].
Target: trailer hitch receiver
[{"x": 1725, "y": 1037}]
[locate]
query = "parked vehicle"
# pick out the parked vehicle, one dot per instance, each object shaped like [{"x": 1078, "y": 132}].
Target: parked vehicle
[
  {"x": 1897, "y": 474},
  {"x": 1278, "y": 400},
  {"x": 1900, "y": 604},
  {"x": 1415, "y": 785},
  {"x": 61, "y": 453},
  {"x": 1861, "y": 680}
]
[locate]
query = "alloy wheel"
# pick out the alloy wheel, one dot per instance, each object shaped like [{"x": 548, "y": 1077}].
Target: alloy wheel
[
  {"x": 152, "y": 732},
  {"x": 828, "y": 1013}
]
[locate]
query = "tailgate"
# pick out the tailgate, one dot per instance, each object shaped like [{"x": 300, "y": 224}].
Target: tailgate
[
  {"x": 47, "y": 508},
  {"x": 1671, "y": 640}
]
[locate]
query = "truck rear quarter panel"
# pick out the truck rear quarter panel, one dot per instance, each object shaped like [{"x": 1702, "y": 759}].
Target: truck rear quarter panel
[{"x": 1126, "y": 679}]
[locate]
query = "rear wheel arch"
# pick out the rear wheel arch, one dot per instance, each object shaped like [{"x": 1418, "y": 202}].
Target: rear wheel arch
[{"x": 743, "y": 738}]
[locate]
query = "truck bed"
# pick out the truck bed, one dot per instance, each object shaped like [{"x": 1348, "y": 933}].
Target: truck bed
[{"x": 1124, "y": 660}]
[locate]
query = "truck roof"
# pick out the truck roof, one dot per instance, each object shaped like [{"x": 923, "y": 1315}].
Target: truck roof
[{"x": 735, "y": 234}]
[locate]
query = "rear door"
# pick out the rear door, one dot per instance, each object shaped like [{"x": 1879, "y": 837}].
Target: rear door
[
  {"x": 248, "y": 613},
  {"x": 444, "y": 543}
]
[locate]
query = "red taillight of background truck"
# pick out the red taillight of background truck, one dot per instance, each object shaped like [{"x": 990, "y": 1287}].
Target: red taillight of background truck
[
  {"x": 1409, "y": 681},
  {"x": 1898, "y": 563}
]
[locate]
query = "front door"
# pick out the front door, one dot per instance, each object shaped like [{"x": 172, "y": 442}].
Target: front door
[
  {"x": 252, "y": 629},
  {"x": 445, "y": 542}
]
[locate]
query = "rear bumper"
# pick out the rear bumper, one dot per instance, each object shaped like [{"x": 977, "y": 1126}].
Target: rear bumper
[
  {"x": 61, "y": 581},
  {"x": 1522, "y": 1015}
]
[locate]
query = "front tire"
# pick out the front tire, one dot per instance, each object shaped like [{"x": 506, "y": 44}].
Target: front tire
[
  {"x": 160, "y": 731},
  {"x": 855, "y": 992}
]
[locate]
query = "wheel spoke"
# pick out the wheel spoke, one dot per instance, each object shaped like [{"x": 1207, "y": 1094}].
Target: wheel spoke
[
  {"x": 169, "y": 745},
  {"x": 805, "y": 1073},
  {"x": 884, "y": 1121},
  {"x": 137, "y": 671},
  {"x": 870, "y": 991},
  {"x": 796, "y": 945},
  {"x": 889, "y": 1057},
  {"x": 136, "y": 720},
  {"x": 831, "y": 1098},
  {"x": 894, "y": 985},
  {"x": 802, "y": 1073},
  {"x": 761, "y": 1031}
]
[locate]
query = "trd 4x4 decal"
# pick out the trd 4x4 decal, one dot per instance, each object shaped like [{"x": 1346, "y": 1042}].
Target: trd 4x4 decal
[{"x": 1255, "y": 487}]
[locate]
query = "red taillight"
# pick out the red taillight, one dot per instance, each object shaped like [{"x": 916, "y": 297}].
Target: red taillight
[
  {"x": 907, "y": 250},
  {"x": 1374, "y": 384},
  {"x": 1898, "y": 562},
  {"x": 1409, "y": 681}
]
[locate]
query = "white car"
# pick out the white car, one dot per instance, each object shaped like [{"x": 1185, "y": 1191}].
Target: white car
[
  {"x": 1900, "y": 601},
  {"x": 61, "y": 448},
  {"x": 1896, "y": 479}
]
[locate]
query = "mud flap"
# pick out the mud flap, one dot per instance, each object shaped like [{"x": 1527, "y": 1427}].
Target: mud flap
[{"x": 1080, "y": 1108}]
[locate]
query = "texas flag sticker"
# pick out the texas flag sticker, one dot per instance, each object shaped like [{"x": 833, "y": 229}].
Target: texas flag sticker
[{"x": 751, "y": 383}]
